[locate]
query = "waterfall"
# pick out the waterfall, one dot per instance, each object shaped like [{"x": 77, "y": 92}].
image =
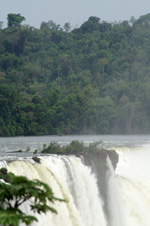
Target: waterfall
[
  {"x": 136, "y": 194},
  {"x": 69, "y": 179},
  {"x": 115, "y": 202},
  {"x": 134, "y": 183},
  {"x": 98, "y": 193}
]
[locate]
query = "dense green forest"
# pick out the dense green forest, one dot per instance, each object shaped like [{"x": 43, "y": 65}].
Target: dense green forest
[{"x": 94, "y": 79}]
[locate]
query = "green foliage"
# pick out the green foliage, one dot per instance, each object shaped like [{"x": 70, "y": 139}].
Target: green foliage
[
  {"x": 95, "y": 146},
  {"x": 75, "y": 147},
  {"x": 19, "y": 190},
  {"x": 90, "y": 80},
  {"x": 14, "y": 20},
  {"x": 54, "y": 148},
  {"x": 13, "y": 216}
]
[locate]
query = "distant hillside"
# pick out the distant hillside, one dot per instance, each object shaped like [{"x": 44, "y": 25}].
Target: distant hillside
[{"x": 90, "y": 80}]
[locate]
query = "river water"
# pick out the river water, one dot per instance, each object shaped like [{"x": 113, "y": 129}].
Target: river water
[{"x": 31, "y": 143}]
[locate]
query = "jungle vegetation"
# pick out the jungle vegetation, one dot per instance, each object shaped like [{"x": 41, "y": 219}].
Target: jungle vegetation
[{"x": 94, "y": 79}]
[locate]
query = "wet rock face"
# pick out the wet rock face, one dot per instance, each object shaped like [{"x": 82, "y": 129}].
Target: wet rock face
[
  {"x": 99, "y": 165},
  {"x": 114, "y": 157},
  {"x": 99, "y": 159}
]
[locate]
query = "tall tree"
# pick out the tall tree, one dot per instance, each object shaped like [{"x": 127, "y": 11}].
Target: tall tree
[{"x": 14, "y": 20}]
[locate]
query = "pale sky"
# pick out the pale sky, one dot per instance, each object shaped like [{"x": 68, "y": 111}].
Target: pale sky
[{"x": 74, "y": 11}]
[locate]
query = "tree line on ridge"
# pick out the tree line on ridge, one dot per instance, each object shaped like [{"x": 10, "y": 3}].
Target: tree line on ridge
[{"x": 93, "y": 79}]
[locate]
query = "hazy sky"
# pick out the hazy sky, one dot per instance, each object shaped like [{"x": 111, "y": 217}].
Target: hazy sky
[{"x": 74, "y": 11}]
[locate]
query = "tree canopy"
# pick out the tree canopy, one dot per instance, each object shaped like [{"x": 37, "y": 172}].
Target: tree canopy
[
  {"x": 93, "y": 79},
  {"x": 14, "y": 20}
]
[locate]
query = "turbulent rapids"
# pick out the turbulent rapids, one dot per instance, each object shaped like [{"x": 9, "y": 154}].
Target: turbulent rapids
[{"x": 100, "y": 190}]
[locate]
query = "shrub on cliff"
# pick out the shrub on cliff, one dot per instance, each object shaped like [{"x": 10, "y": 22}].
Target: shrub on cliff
[{"x": 75, "y": 147}]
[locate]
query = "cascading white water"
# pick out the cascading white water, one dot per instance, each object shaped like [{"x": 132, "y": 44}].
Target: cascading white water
[
  {"x": 115, "y": 203},
  {"x": 83, "y": 207},
  {"x": 133, "y": 172},
  {"x": 84, "y": 192}
]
